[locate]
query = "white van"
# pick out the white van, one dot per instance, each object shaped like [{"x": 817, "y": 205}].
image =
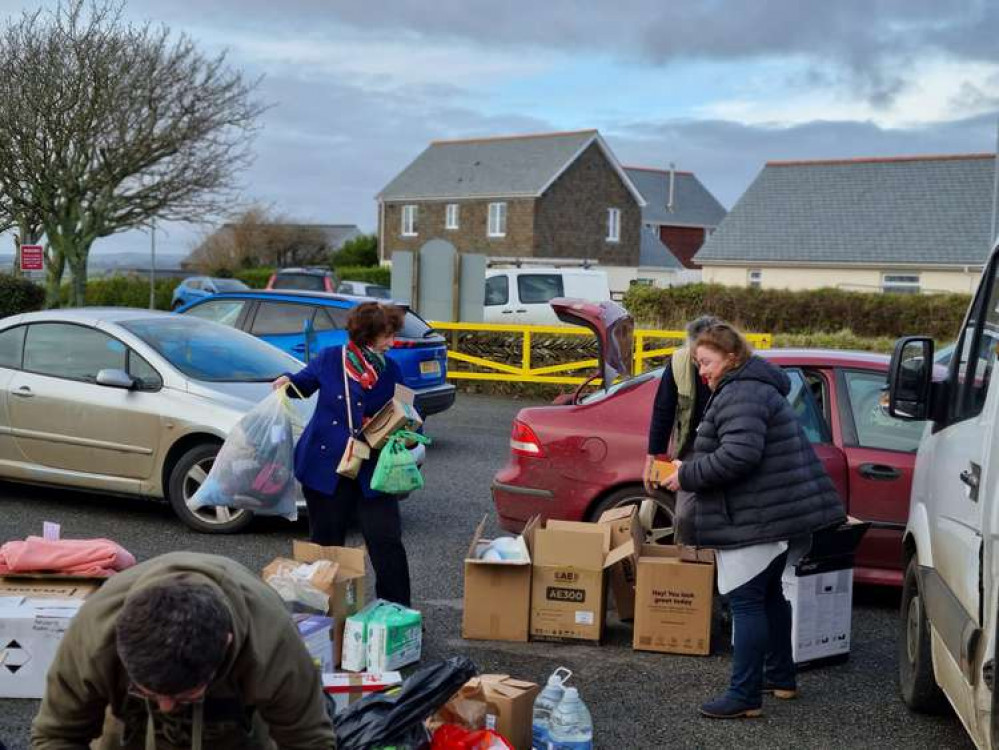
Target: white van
[
  {"x": 521, "y": 295},
  {"x": 950, "y": 609}
]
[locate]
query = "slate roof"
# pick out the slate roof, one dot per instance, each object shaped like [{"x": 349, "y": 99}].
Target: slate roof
[
  {"x": 924, "y": 210},
  {"x": 509, "y": 167},
  {"x": 693, "y": 204},
  {"x": 654, "y": 254}
]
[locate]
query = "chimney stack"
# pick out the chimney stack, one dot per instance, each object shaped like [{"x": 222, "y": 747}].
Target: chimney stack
[{"x": 672, "y": 184}]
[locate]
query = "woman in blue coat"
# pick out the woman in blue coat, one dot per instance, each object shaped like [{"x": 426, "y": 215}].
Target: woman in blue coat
[{"x": 334, "y": 500}]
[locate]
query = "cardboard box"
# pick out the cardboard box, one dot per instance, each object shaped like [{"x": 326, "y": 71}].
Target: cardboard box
[
  {"x": 625, "y": 527},
  {"x": 397, "y": 414},
  {"x": 568, "y": 592},
  {"x": 317, "y": 635},
  {"x": 347, "y": 595},
  {"x": 673, "y": 600},
  {"x": 346, "y": 687},
  {"x": 34, "y": 616},
  {"x": 821, "y": 607},
  {"x": 497, "y": 605},
  {"x": 820, "y": 590},
  {"x": 511, "y": 707}
]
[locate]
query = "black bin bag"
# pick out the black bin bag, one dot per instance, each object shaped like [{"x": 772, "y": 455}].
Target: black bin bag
[{"x": 395, "y": 718}]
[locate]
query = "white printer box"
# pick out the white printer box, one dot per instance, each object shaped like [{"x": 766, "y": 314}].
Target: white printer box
[
  {"x": 822, "y": 606},
  {"x": 30, "y": 632}
]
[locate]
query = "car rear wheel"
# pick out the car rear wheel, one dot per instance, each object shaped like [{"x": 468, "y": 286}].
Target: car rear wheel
[
  {"x": 655, "y": 511},
  {"x": 188, "y": 474},
  {"x": 915, "y": 662}
]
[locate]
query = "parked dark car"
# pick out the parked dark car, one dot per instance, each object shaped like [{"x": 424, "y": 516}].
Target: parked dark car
[
  {"x": 304, "y": 279},
  {"x": 303, "y": 323},
  {"x": 574, "y": 460}
]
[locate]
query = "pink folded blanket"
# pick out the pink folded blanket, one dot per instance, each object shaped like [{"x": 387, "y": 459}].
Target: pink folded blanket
[{"x": 98, "y": 558}]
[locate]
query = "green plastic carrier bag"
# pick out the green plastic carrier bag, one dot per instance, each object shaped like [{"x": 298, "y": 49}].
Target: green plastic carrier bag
[{"x": 396, "y": 472}]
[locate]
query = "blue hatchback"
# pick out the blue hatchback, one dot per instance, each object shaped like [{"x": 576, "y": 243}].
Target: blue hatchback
[
  {"x": 302, "y": 323},
  {"x": 199, "y": 287}
]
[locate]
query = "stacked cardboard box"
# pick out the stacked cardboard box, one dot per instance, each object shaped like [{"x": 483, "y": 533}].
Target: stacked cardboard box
[
  {"x": 568, "y": 592},
  {"x": 345, "y": 590}
]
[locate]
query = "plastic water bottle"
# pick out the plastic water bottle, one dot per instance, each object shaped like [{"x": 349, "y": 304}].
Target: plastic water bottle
[
  {"x": 571, "y": 724},
  {"x": 544, "y": 705}
]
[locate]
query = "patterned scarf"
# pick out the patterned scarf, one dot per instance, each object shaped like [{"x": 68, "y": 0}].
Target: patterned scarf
[{"x": 364, "y": 365}]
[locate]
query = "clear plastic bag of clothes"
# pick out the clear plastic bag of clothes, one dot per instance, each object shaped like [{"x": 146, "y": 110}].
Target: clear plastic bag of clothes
[{"x": 254, "y": 470}]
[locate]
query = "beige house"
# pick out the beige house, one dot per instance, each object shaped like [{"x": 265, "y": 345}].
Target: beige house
[{"x": 901, "y": 224}]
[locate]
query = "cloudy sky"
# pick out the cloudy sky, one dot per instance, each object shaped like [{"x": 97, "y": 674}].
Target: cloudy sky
[{"x": 359, "y": 88}]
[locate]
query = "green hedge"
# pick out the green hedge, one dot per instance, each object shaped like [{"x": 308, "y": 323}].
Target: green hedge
[
  {"x": 255, "y": 278},
  {"x": 125, "y": 291},
  {"x": 18, "y": 295},
  {"x": 778, "y": 311},
  {"x": 370, "y": 274}
]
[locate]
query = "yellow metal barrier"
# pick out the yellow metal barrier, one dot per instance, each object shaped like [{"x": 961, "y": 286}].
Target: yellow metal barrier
[{"x": 525, "y": 373}]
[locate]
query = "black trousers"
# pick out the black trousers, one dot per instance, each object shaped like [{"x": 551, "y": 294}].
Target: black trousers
[{"x": 330, "y": 516}]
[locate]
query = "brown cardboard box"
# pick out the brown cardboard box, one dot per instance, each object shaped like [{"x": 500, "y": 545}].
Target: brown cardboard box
[
  {"x": 625, "y": 527},
  {"x": 513, "y": 703},
  {"x": 673, "y": 599},
  {"x": 568, "y": 591},
  {"x": 397, "y": 414},
  {"x": 497, "y": 594},
  {"x": 347, "y": 594}
]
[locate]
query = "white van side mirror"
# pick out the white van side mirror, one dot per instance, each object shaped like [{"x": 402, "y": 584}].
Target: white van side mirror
[{"x": 910, "y": 378}]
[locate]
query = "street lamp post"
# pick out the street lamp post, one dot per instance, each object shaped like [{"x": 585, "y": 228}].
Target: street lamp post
[{"x": 152, "y": 266}]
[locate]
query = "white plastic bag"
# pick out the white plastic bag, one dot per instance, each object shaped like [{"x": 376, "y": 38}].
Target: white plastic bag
[{"x": 254, "y": 470}]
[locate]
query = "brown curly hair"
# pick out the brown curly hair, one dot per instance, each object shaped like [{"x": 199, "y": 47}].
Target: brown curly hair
[
  {"x": 370, "y": 321},
  {"x": 725, "y": 339}
]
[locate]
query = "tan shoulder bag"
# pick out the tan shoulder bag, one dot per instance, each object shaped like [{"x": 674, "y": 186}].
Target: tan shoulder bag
[{"x": 357, "y": 450}]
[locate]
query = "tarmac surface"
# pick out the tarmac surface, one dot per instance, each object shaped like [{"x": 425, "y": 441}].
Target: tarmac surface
[{"x": 638, "y": 700}]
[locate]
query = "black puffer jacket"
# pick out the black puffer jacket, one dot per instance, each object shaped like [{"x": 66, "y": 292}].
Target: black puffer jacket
[{"x": 754, "y": 472}]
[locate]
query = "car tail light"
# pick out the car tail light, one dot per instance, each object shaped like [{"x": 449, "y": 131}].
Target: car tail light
[
  {"x": 403, "y": 344},
  {"x": 524, "y": 442}
]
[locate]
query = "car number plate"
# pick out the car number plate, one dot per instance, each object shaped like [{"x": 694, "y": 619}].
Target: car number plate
[{"x": 430, "y": 367}]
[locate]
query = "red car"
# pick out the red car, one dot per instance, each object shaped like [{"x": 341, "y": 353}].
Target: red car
[{"x": 584, "y": 454}]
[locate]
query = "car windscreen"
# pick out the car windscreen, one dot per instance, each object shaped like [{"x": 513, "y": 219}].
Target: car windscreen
[
  {"x": 230, "y": 285},
  {"x": 207, "y": 351}
]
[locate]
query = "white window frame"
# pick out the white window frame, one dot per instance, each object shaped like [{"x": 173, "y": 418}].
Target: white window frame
[
  {"x": 754, "y": 278},
  {"x": 497, "y": 220},
  {"x": 613, "y": 224},
  {"x": 451, "y": 216},
  {"x": 409, "y": 220},
  {"x": 908, "y": 283}
]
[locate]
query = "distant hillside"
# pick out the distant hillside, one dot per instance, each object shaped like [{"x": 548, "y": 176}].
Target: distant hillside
[{"x": 108, "y": 261}]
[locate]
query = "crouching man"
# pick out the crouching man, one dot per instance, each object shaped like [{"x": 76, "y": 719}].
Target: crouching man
[{"x": 183, "y": 651}]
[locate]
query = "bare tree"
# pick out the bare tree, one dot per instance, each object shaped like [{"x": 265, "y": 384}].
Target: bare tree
[
  {"x": 259, "y": 237},
  {"x": 105, "y": 126}
]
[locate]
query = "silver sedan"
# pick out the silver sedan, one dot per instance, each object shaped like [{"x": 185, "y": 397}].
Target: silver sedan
[{"x": 129, "y": 401}]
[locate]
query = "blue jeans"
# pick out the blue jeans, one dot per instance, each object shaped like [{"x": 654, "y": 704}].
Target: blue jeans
[{"x": 761, "y": 618}]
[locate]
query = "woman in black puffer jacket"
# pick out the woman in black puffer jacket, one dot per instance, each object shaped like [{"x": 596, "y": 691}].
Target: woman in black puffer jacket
[{"x": 758, "y": 485}]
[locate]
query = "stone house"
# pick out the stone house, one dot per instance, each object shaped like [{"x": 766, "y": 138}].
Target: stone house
[{"x": 559, "y": 196}]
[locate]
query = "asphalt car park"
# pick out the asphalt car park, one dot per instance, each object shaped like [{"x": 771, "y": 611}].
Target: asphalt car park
[{"x": 638, "y": 700}]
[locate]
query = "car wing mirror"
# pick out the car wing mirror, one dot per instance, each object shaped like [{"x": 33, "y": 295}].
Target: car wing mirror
[
  {"x": 910, "y": 378},
  {"x": 115, "y": 379}
]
